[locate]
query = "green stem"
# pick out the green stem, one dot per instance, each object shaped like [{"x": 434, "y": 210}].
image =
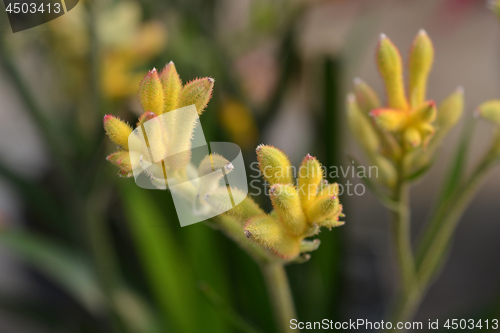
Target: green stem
[
  {"x": 280, "y": 294},
  {"x": 402, "y": 235},
  {"x": 450, "y": 216},
  {"x": 447, "y": 217}
]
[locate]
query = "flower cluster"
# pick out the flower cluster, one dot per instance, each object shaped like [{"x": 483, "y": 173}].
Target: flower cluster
[
  {"x": 159, "y": 93},
  {"x": 408, "y": 128},
  {"x": 300, "y": 209}
]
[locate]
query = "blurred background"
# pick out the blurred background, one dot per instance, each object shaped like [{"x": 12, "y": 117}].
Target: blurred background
[{"x": 82, "y": 250}]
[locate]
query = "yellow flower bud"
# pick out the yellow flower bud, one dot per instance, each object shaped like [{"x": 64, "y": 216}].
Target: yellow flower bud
[
  {"x": 322, "y": 208},
  {"x": 246, "y": 209},
  {"x": 274, "y": 165},
  {"x": 421, "y": 58},
  {"x": 146, "y": 116},
  {"x": 490, "y": 111},
  {"x": 117, "y": 130},
  {"x": 197, "y": 92},
  {"x": 390, "y": 120},
  {"x": 391, "y": 69},
  {"x": 151, "y": 92},
  {"x": 172, "y": 86},
  {"x": 361, "y": 126},
  {"x": 121, "y": 159},
  {"x": 329, "y": 189},
  {"x": 212, "y": 162},
  {"x": 286, "y": 203},
  {"x": 366, "y": 98},
  {"x": 426, "y": 113},
  {"x": 450, "y": 110},
  {"x": 310, "y": 176},
  {"x": 264, "y": 230}
]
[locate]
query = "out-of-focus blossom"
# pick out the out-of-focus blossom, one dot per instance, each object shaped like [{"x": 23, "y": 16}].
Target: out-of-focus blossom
[
  {"x": 126, "y": 43},
  {"x": 238, "y": 121}
]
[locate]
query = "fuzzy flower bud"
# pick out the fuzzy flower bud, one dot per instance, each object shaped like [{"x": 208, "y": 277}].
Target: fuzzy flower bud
[
  {"x": 121, "y": 159},
  {"x": 151, "y": 92},
  {"x": 274, "y": 165},
  {"x": 421, "y": 58},
  {"x": 361, "y": 126},
  {"x": 490, "y": 110},
  {"x": 286, "y": 203},
  {"x": 197, "y": 92},
  {"x": 310, "y": 177},
  {"x": 450, "y": 110},
  {"x": 325, "y": 207},
  {"x": 389, "y": 119},
  {"x": 172, "y": 86},
  {"x": 366, "y": 98},
  {"x": 117, "y": 130},
  {"x": 391, "y": 68},
  {"x": 426, "y": 113}
]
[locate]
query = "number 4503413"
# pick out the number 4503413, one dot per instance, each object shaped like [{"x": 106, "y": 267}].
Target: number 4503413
[{"x": 32, "y": 8}]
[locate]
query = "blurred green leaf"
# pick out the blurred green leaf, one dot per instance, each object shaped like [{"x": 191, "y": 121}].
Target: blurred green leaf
[
  {"x": 62, "y": 265},
  {"x": 458, "y": 163},
  {"x": 231, "y": 315},
  {"x": 163, "y": 259},
  {"x": 417, "y": 175}
]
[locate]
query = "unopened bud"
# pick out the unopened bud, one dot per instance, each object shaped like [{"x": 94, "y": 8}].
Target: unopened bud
[
  {"x": 117, "y": 130},
  {"x": 197, "y": 92},
  {"x": 391, "y": 68},
  {"x": 172, "y": 86},
  {"x": 490, "y": 111},
  {"x": 274, "y": 165},
  {"x": 151, "y": 92},
  {"x": 421, "y": 58}
]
